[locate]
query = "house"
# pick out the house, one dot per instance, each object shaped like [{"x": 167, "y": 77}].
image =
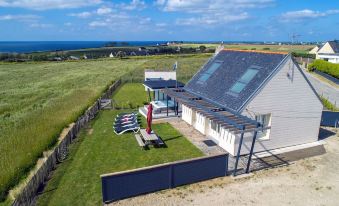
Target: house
[
  {"x": 314, "y": 50},
  {"x": 155, "y": 82},
  {"x": 111, "y": 55},
  {"x": 73, "y": 58},
  {"x": 251, "y": 101},
  {"x": 329, "y": 52}
]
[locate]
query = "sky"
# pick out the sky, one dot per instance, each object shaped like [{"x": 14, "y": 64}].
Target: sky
[{"x": 169, "y": 20}]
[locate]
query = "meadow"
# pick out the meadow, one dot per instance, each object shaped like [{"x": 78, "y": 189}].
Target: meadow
[
  {"x": 276, "y": 48},
  {"x": 37, "y": 100}
]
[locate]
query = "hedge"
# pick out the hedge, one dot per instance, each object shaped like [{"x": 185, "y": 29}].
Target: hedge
[
  {"x": 326, "y": 67},
  {"x": 304, "y": 55}
]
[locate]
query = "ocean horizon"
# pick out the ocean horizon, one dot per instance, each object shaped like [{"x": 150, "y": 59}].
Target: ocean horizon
[{"x": 49, "y": 46}]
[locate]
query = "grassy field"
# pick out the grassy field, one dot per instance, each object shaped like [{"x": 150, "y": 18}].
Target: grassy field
[
  {"x": 279, "y": 48},
  {"x": 99, "y": 151},
  {"x": 39, "y": 99}
]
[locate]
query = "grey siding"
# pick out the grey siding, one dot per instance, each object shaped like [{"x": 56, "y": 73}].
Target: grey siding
[{"x": 295, "y": 109}]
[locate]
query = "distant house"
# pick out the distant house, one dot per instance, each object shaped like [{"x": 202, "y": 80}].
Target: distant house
[
  {"x": 111, "y": 55},
  {"x": 329, "y": 52},
  {"x": 314, "y": 50},
  {"x": 141, "y": 48},
  {"x": 73, "y": 58},
  {"x": 251, "y": 98},
  {"x": 84, "y": 57}
]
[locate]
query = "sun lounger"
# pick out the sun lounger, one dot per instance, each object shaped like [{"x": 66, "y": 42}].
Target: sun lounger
[
  {"x": 124, "y": 119},
  {"x": 120, "y": 130},
  {"x": 126, "y": 115},
  {"x": 125, "y": 125}
]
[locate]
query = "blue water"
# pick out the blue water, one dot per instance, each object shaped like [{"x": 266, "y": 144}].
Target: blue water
[{"x": 38, "y": 46}]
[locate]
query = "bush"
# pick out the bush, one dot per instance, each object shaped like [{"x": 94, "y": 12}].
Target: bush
[
  {"x": 326, "y": 67},
  {"x": 266, "y": 48}
]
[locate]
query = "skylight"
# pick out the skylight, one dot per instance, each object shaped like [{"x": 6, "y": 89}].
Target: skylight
[
  {"x": 244, "y": 80},
  {"x": 206, "y": 75}
]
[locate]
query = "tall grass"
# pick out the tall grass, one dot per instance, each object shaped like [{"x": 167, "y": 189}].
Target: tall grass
[{"x": 37, "y": 100}]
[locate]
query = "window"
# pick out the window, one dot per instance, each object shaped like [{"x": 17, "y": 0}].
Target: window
[
  {"x": 244, "y": 80},
  {"x": 265, "y": 121},
  {"x": 206, "y": 75}
]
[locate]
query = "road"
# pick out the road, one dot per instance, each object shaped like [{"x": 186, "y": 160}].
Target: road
[{"x": 324, "y": 89}]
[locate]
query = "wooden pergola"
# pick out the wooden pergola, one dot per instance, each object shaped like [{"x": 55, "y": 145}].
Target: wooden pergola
[{"x": 226, "y": 118}]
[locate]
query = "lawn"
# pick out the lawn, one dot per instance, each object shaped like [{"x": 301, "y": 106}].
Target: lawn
[
  {"x": 130, "y": 96},
  {"x": 99, "y": 151},
  {"x": 37, "y": 100}
]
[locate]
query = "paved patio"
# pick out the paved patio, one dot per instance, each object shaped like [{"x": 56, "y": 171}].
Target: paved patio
[{"x": 208, "y": 147}]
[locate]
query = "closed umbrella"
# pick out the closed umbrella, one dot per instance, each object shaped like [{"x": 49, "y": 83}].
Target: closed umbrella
[{"x": 149, "y": 119}]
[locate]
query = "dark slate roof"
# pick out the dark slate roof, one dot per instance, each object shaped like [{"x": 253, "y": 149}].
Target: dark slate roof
[
  {"x": 161, "y": 84},
  {"x": 335, "y": 45},
  {"x": 235, "y": 63}
]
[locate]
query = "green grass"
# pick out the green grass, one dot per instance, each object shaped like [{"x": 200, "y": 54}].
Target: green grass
[
  {"x": 130, "y": 96},
  {"x": 276, "y": 48},
  {"x": 329, "y": 105},
  {"x": 99, "y": 151},
  {"x": 37, "y": 100}
]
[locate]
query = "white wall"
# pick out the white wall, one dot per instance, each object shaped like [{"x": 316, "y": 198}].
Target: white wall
[
  {"x": 331, "y": 58},
  {"x": 295, "y": 109},
  {"x": 166, "y": 75},
  {"x": 187, "y": 114}
]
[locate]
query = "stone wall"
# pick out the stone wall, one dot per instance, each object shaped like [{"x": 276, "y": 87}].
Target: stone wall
[{"x": 26, "y": 192}]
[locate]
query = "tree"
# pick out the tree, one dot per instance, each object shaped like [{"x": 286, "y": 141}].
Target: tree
[
  {"x": 202, "y": 48},
  {"x": 121, "y": 54}
]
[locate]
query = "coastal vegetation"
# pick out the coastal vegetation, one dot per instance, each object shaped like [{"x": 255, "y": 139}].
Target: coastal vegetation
[{"x": 39, "y": 99}]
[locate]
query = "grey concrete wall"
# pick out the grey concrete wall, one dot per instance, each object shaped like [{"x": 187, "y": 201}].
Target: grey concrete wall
[{"x": 38, "y": 176}]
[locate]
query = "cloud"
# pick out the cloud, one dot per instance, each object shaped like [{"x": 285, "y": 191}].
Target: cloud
[
  {"x": 133, "y": 5},
  {"x": 40, "y": 25},
  {"x": 161, "y": 24},
  {"x": 211, "y": 12},
  {"x": 98, "y": 24},
  {"x": 19, "y": 17},
  {"x": 84, "y": 14},
  {"x": 306, "y": 14},
  {"x": 104, "y": 10},
  {"x": 212, "y": 19},
  {"x": 200, "y": 6},
  {"x": 48, "y": 4}
]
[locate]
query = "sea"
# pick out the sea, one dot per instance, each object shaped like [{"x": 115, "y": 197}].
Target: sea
[{"x": 43, "y": 46}]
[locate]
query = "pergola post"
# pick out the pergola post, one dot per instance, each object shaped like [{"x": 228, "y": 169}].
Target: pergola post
[
  {"x": 238, "y": 154},
  {"x": 167, "y": 104},
  {"x": 251, "y": 151},
  {"x": 149, "y": 95},
  {"x": 177, "y": 108}
]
